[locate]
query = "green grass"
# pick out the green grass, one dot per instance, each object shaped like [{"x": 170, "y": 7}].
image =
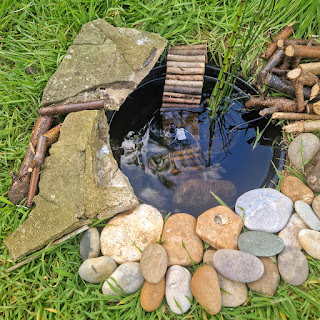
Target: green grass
[{"x": 37, "y": 33}]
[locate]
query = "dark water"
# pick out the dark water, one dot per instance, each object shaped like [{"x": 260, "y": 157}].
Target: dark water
[{"x": 175, "y": 171}]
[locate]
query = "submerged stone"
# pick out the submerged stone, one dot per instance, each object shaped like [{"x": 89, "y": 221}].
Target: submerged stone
[
  {"x": 80, "y": 180},
  {"x": 103, "y": 62}
]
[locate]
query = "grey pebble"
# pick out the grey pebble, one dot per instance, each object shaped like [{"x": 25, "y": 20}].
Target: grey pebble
[
  {"x": 307, "y": 215},
  {"x": 90, "y": 244}
]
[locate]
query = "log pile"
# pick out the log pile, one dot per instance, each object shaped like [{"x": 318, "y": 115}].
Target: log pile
[{"x": 293, "y": 68}]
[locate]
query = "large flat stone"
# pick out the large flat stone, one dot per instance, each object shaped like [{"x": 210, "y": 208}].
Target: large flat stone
[
  {"x": 80, "y": 180},
  {"x": 103, "y": 62}
]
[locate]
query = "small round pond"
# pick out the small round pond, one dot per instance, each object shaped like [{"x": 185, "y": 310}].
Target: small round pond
[{"x": 175, "y": 162}]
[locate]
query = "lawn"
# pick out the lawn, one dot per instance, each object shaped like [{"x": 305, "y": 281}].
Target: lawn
[{"x": 37, "y": 33}]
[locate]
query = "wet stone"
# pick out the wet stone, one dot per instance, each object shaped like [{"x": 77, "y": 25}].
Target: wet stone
[
  {"x": 316, "y": 206},
  {"x": 234, "y": 293},
  {"x": 90, "y": 244},
  {"x": 307, "y": 215},
  {"x": 237, "y": 265},
  {"x": 178, "y": 289},
  {"x": 260, "y": 244},
  {"x": 302, "y": 149},
  {"x": 295, "y": 189},
  {"x": 289, "y": 234},
  {"x": 264, "y": 209},
  {"x": 310, "y": 241},
  {"x": 293, "y": 266},
  {"x": 312, "y": 173},
  {"x": 220, "y": 227},
  {"x": 152, "y": 295},
  {"x": 269, "y": 282},
  {"x": 180, "y": 240},
  {"x": 95, "y": 270},
  {"x": 154, "y": 262},
  {"x": 127, "y": 277},
  {"x": 206, "y": 290}
]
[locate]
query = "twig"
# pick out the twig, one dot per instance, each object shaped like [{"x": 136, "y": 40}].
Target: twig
[
  {"x": 295, "y": 116},
  {"x": 302, "y": 126}
]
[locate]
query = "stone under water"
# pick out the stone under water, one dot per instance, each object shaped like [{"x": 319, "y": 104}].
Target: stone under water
[
  {"x": 80, "y": 180},
  {"x": 103, "y": 62}
]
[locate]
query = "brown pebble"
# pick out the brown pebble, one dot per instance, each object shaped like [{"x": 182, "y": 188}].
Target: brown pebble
[
  {"x": 208, "y": 257},
  {"x": 152, "y": 295},
  {"x": 205, "y": 288}
]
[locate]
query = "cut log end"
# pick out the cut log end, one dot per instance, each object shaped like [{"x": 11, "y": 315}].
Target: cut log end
[
  {"x": 294, "y": 74},
  {"x": 289, "y": 51}
]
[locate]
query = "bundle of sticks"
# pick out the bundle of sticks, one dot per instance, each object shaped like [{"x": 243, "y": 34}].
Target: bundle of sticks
[
  {"x": 25, "y": 182},
  {"x": 292, "y": 68}
]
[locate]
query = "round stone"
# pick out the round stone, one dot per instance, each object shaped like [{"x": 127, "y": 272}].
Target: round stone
[
  {"x": 293, "y": 266},
  {"x": 128, "y": 233},
  {"x": 264, "y": 209},
  {"x": 95, "y": 270},
  {"x": 181, "y": 242},
  {"x": 289, "y": 234},
  {"x": 152, "y": 294},
  {"x": 260, "y": 244},
  {"x": 312, "y": 173},
  {"x": 178, "y": 292},
  {"x": 233, "y": 293},
  {"x": 154, "y": 262},
  {"x": 126, "y": 278},
  {"x": 208, "y": 257},
  {"x": 302, "y": 149},
  {"x": 316, "y": 206},
  {"x": 307, "y": 215},
  {"x": 90, "y": 244},
  {"x": 310, "y": 241},
  {"x": 220, "y": 227},
  {"x": 237, "y": 265},
  {"x": 206, "y": 290},
  {"x": 269, "y": 282},
  {"x": 295, "y": 189}
]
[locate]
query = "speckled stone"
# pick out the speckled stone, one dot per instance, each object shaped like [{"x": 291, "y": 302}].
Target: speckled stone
[
  {"x": 127, "y": 234},
  {"x": 178, "y": 289},
  {"x": 306, "y": 145},
  {"x": 152, "y": 295},
  {"x": 234, "y": 293},
  {"x": 307, "y": 215},
  {"x": 310, "y": 241},
  {"x": 295, "y": 189},
  {"x": 208, "y": 257},
  {"x": 269, "y": 282},
  {"x": 264, "y": 209},
  {"x": 220, "y": 227},
  {"x": 289, "y": 234},
  {"x": 260, "y": 244},
  {"x": 206, "y": 290},
  {"x": 154, "y": 262},
  {"x": 127, "y": 277},
  {"x": 90, "y": 244},
  {"x": 293, "y": 266},
  {"x": 316, "y": 206},
  {"x": 180, "y": 240},
  {"x": 95, "y": 270},
  {"x": 237, "y": 265}
]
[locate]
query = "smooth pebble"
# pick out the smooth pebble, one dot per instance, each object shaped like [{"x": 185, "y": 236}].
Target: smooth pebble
[
  {"x": 310, "y": 241},
  {"x": 90, "y": 244},
  {"x": 306, "y": 213}
]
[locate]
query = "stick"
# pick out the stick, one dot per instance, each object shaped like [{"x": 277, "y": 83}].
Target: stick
[
  {"x": 316, "y": 107},
  {"x": 180, "y": 64},
  {"x": 184, "y": 77},
  {"x": 185, "y": 70},
  {"x": 295, "y": 116},
  {"x": 178, "y": 89},
  {"x": 180, "y": 100},
  {"x": 303, "y": 52},
  {"x": 34, "y": 180},
  {"x": 313, "y": 67},
  {"x": 179, "y": 105},
  {"x": 279, "y": 71},
  {"x": 284, "y": 86},
  {"x": 71, "y": 107},
  {"x": 281, "y": 103},
  {"x": 296, "y": 60},
  {"x": 200, "y": 46},
  {"x": 20, "y": 182},
  {"x": 194, "y": 84},
  {"x": 191, "y": 52},
  {"x": 303, "y": 126},
  {"x": 181, "y": 95},
  {"x": 64, "y": 238},
  {"x": 287, "y": 42},
  {"x": 53, "y": 134},
  {"x": 315, "y": 91},
  {"x": 285, "y": 33},
  {"x": 172, "y": 57}
]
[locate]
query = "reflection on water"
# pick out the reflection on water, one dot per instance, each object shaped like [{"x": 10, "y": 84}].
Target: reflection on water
[{"x": 174, "y": 161}]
